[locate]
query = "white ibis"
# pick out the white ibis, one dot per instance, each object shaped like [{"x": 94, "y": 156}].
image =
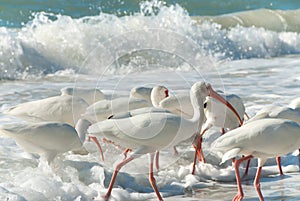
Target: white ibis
[
  {"x": 230, "y": 115},
  {"x": 262, "y": 139},
  {"x": 149, "y": 132},
  {"x": 278, "y": 112}
]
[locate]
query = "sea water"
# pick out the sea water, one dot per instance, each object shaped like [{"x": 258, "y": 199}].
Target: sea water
[{"x": 248, "y": 48}]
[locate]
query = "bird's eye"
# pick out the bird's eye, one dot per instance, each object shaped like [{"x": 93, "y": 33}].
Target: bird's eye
[{"x": 205, "y": 105}]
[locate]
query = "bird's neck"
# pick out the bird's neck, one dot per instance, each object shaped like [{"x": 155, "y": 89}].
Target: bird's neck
[
  {"x": 198, "y": 117},
  {"x": 155, "y": 102},
  {"x": 81, "y": 128}
]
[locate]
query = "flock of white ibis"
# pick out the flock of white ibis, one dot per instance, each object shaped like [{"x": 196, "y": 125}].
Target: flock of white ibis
[{"x": 150, "y": 120}]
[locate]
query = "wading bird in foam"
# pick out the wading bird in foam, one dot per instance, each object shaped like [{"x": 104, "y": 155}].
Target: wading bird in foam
[
  {"x": 149, "y": 132},
  {"x": 278, "y": 112},
  {"x": 219, "y": 115},
  {"x": 262, "y": 139}
]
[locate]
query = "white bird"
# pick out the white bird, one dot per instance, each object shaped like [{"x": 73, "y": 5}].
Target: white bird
[
  {"x": 262, "y": 139},
  {"x": 149, "y": 132},
  {"x": 64, "y": 108},
  {"x": 89, "y": 95},
  {"x": 219, "y": 115},
  {"x": 47, "y": 139},
  {"x": 278, "y": 112},
  {"x": 101, "y": 110}
]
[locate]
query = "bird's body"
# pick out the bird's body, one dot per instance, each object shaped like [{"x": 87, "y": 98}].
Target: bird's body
[
  {"x": 278, "y": 112},
  {"x": 152, "y": 130},
  {"x": 89, "y": 95},
  {"x": 64, "y": 108},
  {"x": 265, "y": 138},
  {"x": 46, "y": 139},
  {"x": 262, "y": 139}
]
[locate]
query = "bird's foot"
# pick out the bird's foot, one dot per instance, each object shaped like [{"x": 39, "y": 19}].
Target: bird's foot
[{"x": 238, "y": 197}]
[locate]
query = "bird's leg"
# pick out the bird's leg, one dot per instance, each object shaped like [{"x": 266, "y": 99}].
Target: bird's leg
[
  {"x": 239, "y": 196},
  {"x": 125, "y": 152},
  {"x": 157, "y": 159},
  {"x": 151, "y": 177},
  {"x": 278, "y": 160},
  {"x": 198, "y": 146},
  {"x": 98, "y": 145},
  {"x": 198, "y": 153},
  {"x": 247, "y": 168},
  {"x": 248, "y": 117},
  {"x": 113, "y": 178},
  {"x": 257, "y": 184}
]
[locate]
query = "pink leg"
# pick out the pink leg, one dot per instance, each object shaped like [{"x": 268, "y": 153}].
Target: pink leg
[
  {"x": 125, "y": 152},
  {"x": 247, "y": 168},
  {"x": 278, "y": 160},
  {"x": 248, "y": 117},
  {"x": 257, "y": 184},
  {"x": 239, "y": 196},
  {"x": 152, "y": 179},
  {"x": 113, "y": 178},
  {"x": 98, "y": 145},
  {"x": 198, "y": 153},
  {"x": 157, "y": 160}
]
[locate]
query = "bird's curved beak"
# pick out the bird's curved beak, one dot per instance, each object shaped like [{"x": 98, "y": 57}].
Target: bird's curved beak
[{"x": 215, "y": 95}]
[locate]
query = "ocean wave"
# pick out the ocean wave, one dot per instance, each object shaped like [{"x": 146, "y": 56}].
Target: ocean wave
[
  {"x": 163, "y": 37},
  {"x": 273, "y": 20}
]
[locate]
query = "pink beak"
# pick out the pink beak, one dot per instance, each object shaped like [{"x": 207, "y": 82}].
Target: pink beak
[{"x": 214, "y": 94}]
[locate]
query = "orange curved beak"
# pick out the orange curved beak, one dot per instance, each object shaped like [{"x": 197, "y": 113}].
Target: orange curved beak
[{"x": 215, "y": 95}]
